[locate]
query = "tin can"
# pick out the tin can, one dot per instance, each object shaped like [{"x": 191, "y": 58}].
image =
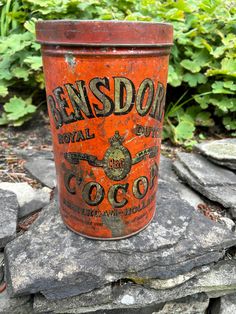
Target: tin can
[{"x": 106, "y": 86}]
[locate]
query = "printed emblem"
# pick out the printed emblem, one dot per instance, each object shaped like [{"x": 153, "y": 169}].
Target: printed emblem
[{"x": 117, "y": 160}]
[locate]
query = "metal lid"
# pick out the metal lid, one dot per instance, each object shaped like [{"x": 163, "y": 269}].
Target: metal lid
[{"x": 104, "y": 33}]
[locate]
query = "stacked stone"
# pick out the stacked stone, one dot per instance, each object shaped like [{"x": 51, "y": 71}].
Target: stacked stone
[
  {"x": 180, "y": 262},
  {"x": 17, "y": 202}
]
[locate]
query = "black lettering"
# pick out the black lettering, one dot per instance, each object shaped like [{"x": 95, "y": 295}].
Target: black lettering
[
  {"x": 66, "y": 138},
  {"x": 58, "y": 92},
  {"x": 146, "y": 86},
  {"x": 154, "y": 174},
  {"x": 124, "y": 88},
  {"x": 136, "y": 187},
  {"x": 87, "y": 193},
  {"x": 72, "y": 136},
  {"x": 79, "y": 100},
  {"x": 68, "y": 176},
  {"x": 56, "y": 114},
  {"x": 88, "y": 136},
  {"x": 158, "y": 103},
  {"x": 108, "y": 105},
  {"x": 112, "y": 195},
  {"x": 80, "y": 136}
]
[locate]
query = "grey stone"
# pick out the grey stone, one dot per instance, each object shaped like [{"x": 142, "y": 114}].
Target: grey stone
[
  {"x": 127, "y": 299},
  {"x": 8, "y": 217},
  {"x": 205, "y": 172},
  {"x": 222, "y": 152},
  {"x": 167, "y": 174},
  {"x": 1, "y": 266},
  {"x": 219, "y": 278},
  {"x": 51, "y": 259},
  {"x": 229, "y": 223},
  {"x": 43, "y": 170},
  {"x": 226, "y": 164},
  {"x": 225, "y": 195},
  {"x": 225, "y": 305},
  {"x": 20, "y": 305},
  {"x": 195, "y": 304},
  {"x": 29, "y": 199},
  {"x": 32, "y": 154}
]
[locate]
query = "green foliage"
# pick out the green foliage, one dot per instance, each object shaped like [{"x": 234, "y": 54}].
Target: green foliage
[
  {"x": 17, "y": 111},
  {"x": 202, "y": 60}
]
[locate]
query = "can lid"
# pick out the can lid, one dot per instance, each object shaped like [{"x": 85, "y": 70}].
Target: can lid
[{"x": 104, "y": 33}]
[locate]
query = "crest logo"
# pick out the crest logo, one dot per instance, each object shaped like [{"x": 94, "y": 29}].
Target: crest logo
[{"x": 117, "y": 161}]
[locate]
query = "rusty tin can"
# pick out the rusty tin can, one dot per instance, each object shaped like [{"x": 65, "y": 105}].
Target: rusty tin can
[{"x": 106, "y": 85}]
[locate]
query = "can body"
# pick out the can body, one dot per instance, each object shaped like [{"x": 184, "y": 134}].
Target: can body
[{"x": 106, "y": 106}]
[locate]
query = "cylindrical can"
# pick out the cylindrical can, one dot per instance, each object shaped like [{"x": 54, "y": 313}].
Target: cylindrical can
[{"x": 106, "y": 85}]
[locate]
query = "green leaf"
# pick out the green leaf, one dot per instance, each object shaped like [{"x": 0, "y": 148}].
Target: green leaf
[
  {"x": 190, "y": 65},
  {"x": 30, "y": 26},
  {"x": 17, "y": 108},
  {"x": 230, "y": 85},
  {"x": 224, "y": 103},
  {"x": 203, "y": 100},
  {"x": 3, "y": 119},
  {"x": 194, "y": 79},
  {"x": 204, "y": 119},
  {"x": 174, "y": 76},
  {"x": 228, "y": 68},
  {"x": 20, "y": 121},
  {"x": 35, "y": 62},
  {"x": 21, "y": 72},
  {"x": 3, "y": 90},
  {"x": 229, "y": 123},
  {"x": 219, "y": 51},
  {"x": 184, "y": 130},
  {"x": 219, "y": 87}
]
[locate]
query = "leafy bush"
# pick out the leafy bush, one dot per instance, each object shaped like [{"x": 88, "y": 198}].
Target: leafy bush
[{"x": 202, "y": 72}]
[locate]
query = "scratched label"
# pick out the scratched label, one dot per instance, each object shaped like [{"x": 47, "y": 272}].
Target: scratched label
[{"x": 106, "y": 134}]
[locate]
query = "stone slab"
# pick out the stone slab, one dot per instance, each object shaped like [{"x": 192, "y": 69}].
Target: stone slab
[
  {"x": 29, "y": 199},
  {"x": 226, "y": 305},
  {"x": 8, "y": 217},
  {"x": 42, "y": 170},
  {"x": 226, "y": 164},
  {"x": 21, "y": 305},
  {"x": 32, "y": 154},
  {"x": 205, "y": 172},
  {"x": 1, "y": 266},
  {"x": 219, "y": 278},
  {"x": 222, "y": 151},
  {"x": 51, "y": 259},
  {"x": 138, "y": 301},
  {"x": 224, "y": 195},
  {"x": 195, "y": 304},
  {"x": 167, "y": 174}
]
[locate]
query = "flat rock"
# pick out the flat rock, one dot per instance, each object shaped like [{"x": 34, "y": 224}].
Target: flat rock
[
  {"x": 20, "y": 305},
  {"x": 225, "y": 305},
  {"x": 195, "y": 304},
  {"x": 1, "y": 266},
  {"x": 32, "y": 154},
  {"x": 205, "y": 172},
  {"x": 29, "y": 199},
  {"x": 130, "y": 301},
  {"x": 8, "y": 217},
  {"x": 220, "y": 277},
  {"x": 51, "y": 259},
  {"x": 42, "y": 170},
  {"x": 222, "y": 152},
  {"x": 167, "y": 174},
  {"x": 224, "y": 195}
]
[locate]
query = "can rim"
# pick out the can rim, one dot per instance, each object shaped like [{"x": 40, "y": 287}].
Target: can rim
[{"x": 104, "y": 33}]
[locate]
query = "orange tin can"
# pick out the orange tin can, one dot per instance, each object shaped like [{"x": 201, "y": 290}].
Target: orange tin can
[{"x": 106, "y": 86}]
